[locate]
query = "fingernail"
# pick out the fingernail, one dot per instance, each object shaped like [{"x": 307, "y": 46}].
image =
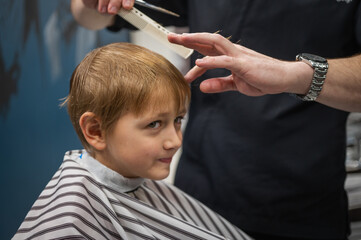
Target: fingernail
[
  {"x": 126, "y": 3},
  {"x": 113, "y": 10},
  {"x": 103, "y": 9}
]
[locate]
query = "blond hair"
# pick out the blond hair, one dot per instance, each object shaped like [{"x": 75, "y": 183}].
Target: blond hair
[{"x": 119, "y": 78}]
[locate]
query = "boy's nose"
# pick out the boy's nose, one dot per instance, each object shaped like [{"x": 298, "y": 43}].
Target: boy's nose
[{"x": 173, "y": 139}]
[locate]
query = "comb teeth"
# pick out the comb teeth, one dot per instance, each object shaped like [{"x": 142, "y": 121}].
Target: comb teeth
[
  {"x": 135, "y": 17},
  {"x": 148, "y": 25}
]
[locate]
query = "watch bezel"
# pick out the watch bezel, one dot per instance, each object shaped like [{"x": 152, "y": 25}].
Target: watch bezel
[{"x": 312, "y": 57}]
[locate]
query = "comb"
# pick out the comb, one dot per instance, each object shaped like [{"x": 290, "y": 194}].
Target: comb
[{"x": 154, "y": 29}]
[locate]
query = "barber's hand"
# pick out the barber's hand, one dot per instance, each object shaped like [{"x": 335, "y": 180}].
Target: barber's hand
[
  {"x": 253, "y": 74},
  {"x": 109, "y": 6}
]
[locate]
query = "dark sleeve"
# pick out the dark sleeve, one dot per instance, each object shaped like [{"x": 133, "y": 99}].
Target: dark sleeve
[
  {"x": 178, "y": 6},
  {"x": 358, "y": 25}
]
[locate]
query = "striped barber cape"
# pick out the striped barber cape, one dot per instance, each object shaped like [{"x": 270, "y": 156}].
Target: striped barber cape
[{"x": 86, "y": 200}]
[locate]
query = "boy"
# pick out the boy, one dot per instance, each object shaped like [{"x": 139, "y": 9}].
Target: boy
[{"x": 126, "y": 104}]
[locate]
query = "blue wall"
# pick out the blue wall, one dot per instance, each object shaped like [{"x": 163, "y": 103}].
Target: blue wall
[{"x": 40, "y": 45}]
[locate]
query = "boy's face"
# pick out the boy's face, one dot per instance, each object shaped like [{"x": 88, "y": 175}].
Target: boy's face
[{"x": 143, "y": 146}]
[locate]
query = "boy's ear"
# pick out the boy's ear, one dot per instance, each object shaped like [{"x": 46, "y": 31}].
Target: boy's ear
[{"x": 90, "y": 125}]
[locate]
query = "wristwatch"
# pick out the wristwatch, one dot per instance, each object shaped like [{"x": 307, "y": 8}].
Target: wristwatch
[{"x": 320, "y": 66}]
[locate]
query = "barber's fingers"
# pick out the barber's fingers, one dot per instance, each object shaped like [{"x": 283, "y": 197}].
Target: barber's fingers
[
  {"x": 109, "y": 6},
  {"x": 128, "y": 4},
  {"x": 202, "y": 65},
  {"x": 216, "y": 85},
  {"x": 212, "y": 85},
  {"x": 194, "y": 73},
  {"x": 235, "y": 82},
  {"x": 224, "y": 84},
  {"x": 204, "y": 49},
  {"x": 103, "y": 6},
  {"x": 115, "y": 5},
  {"x": 206, "y": 43},
  {"x": 223, "y": 61}
]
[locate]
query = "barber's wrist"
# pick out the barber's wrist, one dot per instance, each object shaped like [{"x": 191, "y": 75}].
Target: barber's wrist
[{"x": 300, "y": 77}]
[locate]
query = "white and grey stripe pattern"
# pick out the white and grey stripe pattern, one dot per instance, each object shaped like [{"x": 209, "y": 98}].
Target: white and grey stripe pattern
[
  {"x": 353, "y": 188},
  {"x": 86, "y": 200}
]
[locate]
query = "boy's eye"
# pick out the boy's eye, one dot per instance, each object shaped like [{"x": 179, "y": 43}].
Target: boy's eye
[
  {"x": 154, "y": 124},
  {"x": 178, "y": 120}
]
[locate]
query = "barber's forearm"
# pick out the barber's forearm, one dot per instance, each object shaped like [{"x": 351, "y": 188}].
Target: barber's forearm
[
  {"x": 342, "y": 87},
  {"x": 90, "y": 18}
]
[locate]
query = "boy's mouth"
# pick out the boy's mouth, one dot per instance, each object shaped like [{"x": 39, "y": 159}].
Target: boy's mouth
[{"x": 165, "y": 160}]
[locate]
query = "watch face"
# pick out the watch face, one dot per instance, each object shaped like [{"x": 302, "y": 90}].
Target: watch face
[{"x": 314, "y": 57}]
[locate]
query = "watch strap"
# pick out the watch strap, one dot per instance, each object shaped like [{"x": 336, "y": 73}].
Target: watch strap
[{"x": 318, "y": 78}]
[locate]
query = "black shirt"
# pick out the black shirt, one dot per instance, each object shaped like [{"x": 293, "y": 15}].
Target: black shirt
[{"x": 270, "y": 164}]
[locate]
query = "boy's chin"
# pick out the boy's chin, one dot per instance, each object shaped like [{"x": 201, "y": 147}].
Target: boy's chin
[{"x": 160, "y": 176}]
